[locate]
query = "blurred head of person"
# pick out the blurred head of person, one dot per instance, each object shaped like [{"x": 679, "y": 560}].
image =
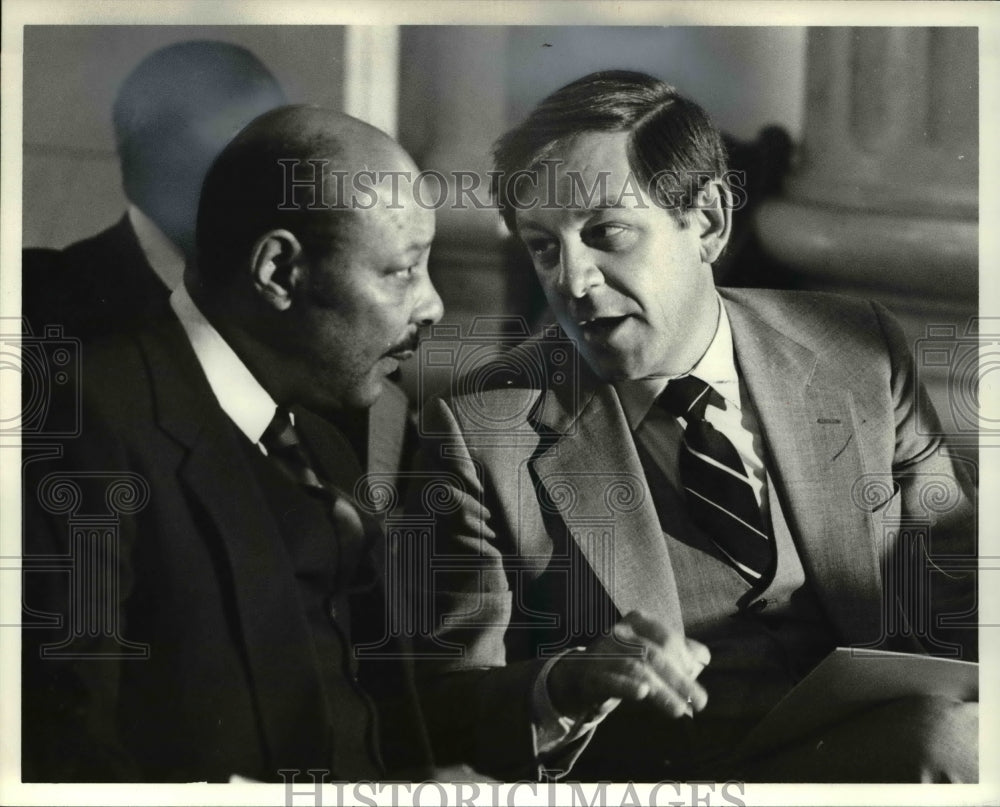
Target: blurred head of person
[{"x": 172, "y": 116}]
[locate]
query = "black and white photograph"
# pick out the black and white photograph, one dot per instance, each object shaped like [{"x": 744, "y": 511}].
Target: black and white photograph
[{"x": 578, "y": 403}]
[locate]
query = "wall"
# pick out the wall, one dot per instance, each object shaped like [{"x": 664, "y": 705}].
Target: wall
[{"x": 745, "y": 78}]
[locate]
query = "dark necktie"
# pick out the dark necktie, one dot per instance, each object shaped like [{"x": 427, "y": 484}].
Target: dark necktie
[
  {"x": 718, "y": 492},
  {"x": 287, "y": 452}
]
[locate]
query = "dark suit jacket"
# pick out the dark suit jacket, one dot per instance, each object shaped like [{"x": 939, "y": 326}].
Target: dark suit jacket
[
  {"x": 212, "y": 668},
  {"x": 96, "y": 287},
  {"x": 540, "y": 467}
]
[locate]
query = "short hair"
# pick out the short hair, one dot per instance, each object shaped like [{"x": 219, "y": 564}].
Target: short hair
[
  {"x": 672, "y": 140},
  {"x": 179, "y": 84},
  {"x": 244, "y": 196}
]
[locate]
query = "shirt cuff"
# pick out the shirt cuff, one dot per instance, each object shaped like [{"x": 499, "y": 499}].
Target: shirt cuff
[{"x": 553, "y": 731}]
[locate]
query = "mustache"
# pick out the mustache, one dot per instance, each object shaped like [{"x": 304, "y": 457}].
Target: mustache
[{"x": 408, "y": 343}]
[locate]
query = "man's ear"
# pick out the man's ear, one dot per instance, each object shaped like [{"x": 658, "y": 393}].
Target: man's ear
[
  {"x": 712, "y": 214},
  {"x": 277, "y": 267}
]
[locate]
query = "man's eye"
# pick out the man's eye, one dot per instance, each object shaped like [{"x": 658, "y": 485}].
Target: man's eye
[
  {"x": 404, "y": 272},
  {"x": 610, "y": 234},
  {"x": 542, "y": 249}
]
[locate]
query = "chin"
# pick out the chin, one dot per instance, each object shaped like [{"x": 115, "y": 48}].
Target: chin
[
  {"x": 611, "y": 366},
  {"x": 345, "y": 400},
  {"x": 365, "y": 395}
]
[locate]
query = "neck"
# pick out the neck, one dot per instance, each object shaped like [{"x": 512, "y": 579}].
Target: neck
[
  {"x": 272, "y": 369},
  {"x": 702, "y": 336},
  {"x": 163, "y": 254}
]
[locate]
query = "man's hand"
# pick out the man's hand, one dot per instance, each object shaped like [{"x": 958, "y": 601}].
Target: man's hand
[{"x": 639, "y": 660}]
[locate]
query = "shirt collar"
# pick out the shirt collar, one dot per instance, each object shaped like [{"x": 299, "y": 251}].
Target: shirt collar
[
  {"x": 240, "y": 395},
  {"x": 716, "y": 367},
  {"x": 161, "y": 253}
]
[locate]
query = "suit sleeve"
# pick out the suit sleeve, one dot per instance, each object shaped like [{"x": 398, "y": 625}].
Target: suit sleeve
[
  {"x": 935, "y": 588},
  {"x": 477, "y": 706}
]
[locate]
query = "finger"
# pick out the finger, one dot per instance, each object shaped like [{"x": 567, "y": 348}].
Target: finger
[
  {"x": 580, "y": 682},
  {"x": 668, "y": 700},
  {"x": 647, "y": 627},
  {"x": 655, "y": 676},
  {"x": 628, "y": 641},
  {"x": 699, "y": 652},
  {"x": 638, "y": 682},
  {"x": 626, "y": 686},
  {"x": 689, "y": 656},
  {"x": 678, "y": 673},
  {"x": 678, "y": 682},
  {"x": 636, "y": 679},
  {"x": 700, "y": 658},
  {"x": 696, "y": 696}
]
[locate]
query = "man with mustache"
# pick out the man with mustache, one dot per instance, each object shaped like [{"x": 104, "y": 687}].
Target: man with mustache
[
  {"x": 664, "y": 515},
  {"x": 240, "y": 576},
  {"x": 172, "y": 116}
]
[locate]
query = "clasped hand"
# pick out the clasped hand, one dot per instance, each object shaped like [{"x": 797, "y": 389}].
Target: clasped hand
[{"x": 640, "y": 660}]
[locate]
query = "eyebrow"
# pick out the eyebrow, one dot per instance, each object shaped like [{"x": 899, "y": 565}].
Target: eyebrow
[{"x": 581, "y": 212}]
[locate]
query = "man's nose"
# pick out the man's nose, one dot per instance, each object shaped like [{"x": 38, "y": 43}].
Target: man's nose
[
  {"x": 429, "y": 308},
  {"x": 578, "y": 271}
]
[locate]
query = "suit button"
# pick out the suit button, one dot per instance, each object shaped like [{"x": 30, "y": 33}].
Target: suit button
[{"x": 331, "y": 610}]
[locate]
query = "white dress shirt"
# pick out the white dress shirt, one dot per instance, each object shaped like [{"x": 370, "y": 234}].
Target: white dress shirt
[
  {"x": 161, "y": 253},
  {"x": 239, "y": 394},
  {"x": 658, "y": 430}
]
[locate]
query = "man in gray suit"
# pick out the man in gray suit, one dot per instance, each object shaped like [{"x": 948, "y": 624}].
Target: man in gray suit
[{"x": 642, "y": 552}]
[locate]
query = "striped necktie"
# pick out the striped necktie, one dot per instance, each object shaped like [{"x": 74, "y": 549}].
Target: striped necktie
[
  {"x": 718, "y": 492},
  {"x": 286, "y": 450}
]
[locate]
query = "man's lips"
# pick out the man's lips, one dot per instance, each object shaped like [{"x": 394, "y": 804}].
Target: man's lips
[
  {"x": 601, "y": 325},
  {"x": 403, "y": 350}
]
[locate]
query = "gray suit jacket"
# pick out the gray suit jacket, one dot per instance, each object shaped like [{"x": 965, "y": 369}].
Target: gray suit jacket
[{"x": 542, "y": 471}]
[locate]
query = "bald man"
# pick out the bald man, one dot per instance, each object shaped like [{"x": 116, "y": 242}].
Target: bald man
[
  {"x": 215, "y": 625},
  {"x": 172, "y": 115}
]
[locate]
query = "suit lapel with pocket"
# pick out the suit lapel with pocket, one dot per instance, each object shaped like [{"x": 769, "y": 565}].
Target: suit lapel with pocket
[{"x": 814, "y": 458}]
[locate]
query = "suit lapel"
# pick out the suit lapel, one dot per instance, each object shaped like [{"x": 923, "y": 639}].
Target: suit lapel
[
  {"x": 810, "y": 434},
  {"x": 386, "y": 432},
  {"x": 284, "y": 677},
  {"x": 591, "y": 475},
  {"x": 330, "y": 450},
  {"x": 338, "y": 465}
]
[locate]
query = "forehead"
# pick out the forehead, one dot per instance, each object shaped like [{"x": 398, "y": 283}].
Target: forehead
[
  {"x": 590, "y": 171},
  {"x": 389, "y": 230},
  {"x": 591, "y": 152}
]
